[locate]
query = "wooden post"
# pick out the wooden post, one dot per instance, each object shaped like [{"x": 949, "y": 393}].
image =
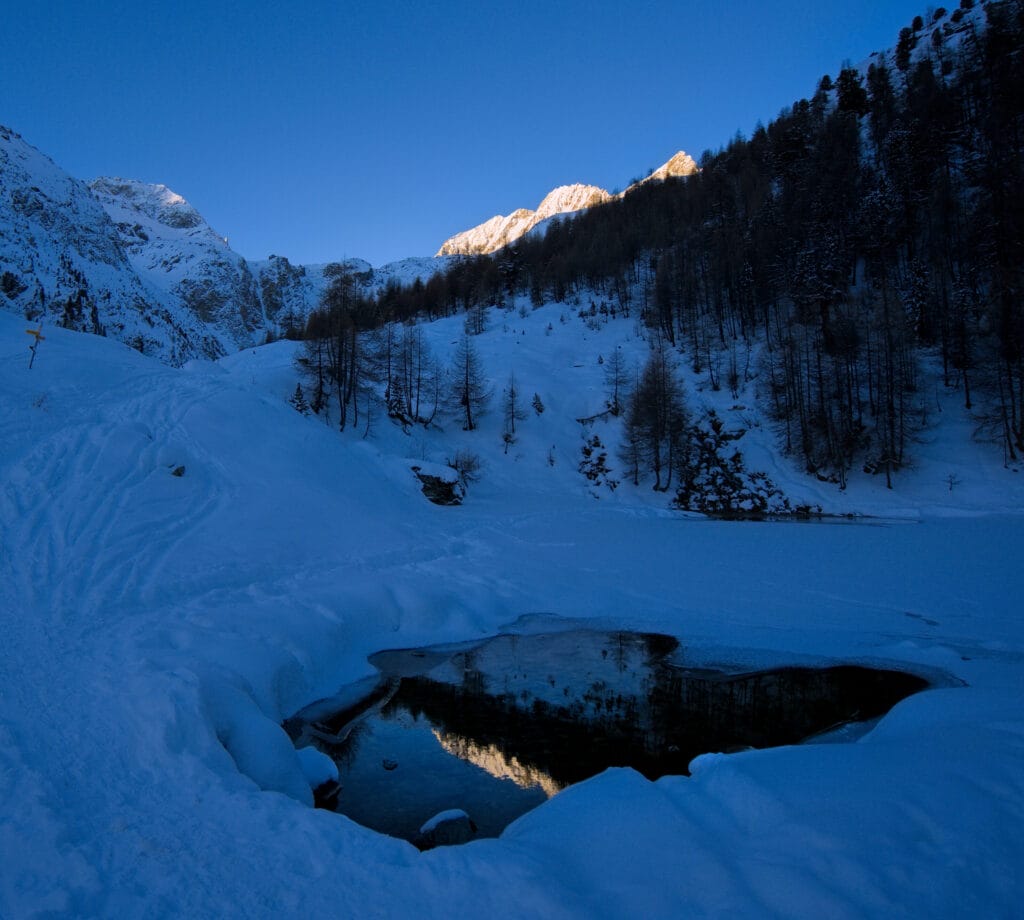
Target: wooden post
[{"x": 38, "y": 337}]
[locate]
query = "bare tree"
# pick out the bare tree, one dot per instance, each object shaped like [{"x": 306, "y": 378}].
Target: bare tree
[
  {"x": 616, "y": 378},
  {"x": 469, "y": 393},
  {"x": 656, "y": 421},
  {"x": 513, "y": 411}
]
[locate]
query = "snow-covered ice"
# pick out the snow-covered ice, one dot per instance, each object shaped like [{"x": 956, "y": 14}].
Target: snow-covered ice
[{"x": 155, "y": 629}]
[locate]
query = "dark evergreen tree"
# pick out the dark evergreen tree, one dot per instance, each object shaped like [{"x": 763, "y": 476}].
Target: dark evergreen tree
[{"x": 298, "y": 401}]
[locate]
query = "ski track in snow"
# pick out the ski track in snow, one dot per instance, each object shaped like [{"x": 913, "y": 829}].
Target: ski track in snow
[
  {"x": 102, "y": 556},
  {"x": 89, "y": 549}
]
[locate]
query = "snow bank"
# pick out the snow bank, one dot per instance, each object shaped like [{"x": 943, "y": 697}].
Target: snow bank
[{"x": 157, "y": 628}]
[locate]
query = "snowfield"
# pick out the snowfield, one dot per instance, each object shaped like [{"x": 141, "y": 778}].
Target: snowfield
[{"x": 185, "y": 561}]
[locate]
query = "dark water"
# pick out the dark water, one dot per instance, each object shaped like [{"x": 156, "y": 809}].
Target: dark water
[{"x": 497, "y": 727}]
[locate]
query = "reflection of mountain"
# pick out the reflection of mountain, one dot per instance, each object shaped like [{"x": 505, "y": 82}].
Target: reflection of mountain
[
  {"x": 546, "y": 711},
  {"x": 658, "y": 731},
  {"x": 495, "y": 761}
]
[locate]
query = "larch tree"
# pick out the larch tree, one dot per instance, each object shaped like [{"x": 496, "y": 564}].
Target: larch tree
[
  {"x": 513, "y": 411},
  {"x": 655, "y": 431},
  {"x": 469, "y": 393}
]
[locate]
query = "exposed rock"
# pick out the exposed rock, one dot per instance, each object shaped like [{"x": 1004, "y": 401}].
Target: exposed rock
[
  {"x": 442, "y": 488},
  {"x": 326, "y": 795},
  {"x": 449, "y": 828}
]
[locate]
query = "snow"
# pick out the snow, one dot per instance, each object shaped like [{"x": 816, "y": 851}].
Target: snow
[
  {"x": 450, "y": 814},
  {"x": 317, "y": 767},
  {"x": 156, "y": 629},
  {"x": 501, "y": 230}
]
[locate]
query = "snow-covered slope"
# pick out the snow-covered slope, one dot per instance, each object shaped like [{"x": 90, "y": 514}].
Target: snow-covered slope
[
  {"x": 501, "y": 230},
  {"x": 185, "y": 560},
  {"x": 61, "y": 260}
]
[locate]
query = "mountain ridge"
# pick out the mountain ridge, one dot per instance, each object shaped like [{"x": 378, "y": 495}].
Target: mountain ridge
[
  {"x": 498, "y": 231},
  {"x": 137, "y": 262}
]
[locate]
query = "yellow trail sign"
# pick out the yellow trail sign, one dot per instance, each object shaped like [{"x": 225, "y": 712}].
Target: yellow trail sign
[{"x": 39, "y": 337}]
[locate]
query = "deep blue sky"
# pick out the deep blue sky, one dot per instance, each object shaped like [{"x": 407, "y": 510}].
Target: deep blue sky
[{"x": 328, "y": 130}]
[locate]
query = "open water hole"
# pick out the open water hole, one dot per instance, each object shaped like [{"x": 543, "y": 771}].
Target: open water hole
[{"x": 496, "y": 727}]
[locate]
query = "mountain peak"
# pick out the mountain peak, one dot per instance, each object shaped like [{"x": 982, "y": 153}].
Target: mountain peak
[
  {"x": 680, "y": 164},
  {"x": 568, "y": 198},
  {"x": 501, "y": 230},
  {"x": 157, "y": 202}
]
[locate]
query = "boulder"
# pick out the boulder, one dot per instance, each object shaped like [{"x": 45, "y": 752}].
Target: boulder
[{"x": 448, "y": 828}]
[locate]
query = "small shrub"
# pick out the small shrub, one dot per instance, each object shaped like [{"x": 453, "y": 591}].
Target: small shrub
[
  {"x": 298, "y": 401},
  {"x": 467, "y": 465},
  {"x": 594, "y": 465}
]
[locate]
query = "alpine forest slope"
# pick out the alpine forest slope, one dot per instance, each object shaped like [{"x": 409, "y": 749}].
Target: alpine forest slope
[
  {"x": 138, "y": 263},
  {"x": 874, "y": 225},
  {"x": 502, "y": 230}
]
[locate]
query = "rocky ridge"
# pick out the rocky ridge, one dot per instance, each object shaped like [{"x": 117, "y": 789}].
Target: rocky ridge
[
  {"x": 501, "y": 230},
  {"x": 136, "y": 262}
]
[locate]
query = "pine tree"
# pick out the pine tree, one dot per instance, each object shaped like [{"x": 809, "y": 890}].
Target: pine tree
[{"x": 298, "y": 401}]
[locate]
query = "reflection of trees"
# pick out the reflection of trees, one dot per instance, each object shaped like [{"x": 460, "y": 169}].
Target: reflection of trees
[
  {"x": 344, "y": 755},
  {"x": 681, "y": 716},
  {"x": 629, "y": 706}
]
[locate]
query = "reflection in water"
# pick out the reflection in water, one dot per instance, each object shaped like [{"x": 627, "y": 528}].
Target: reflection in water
[
  {"x": 496, "y": 762},
  {"x": 497, "y": 727}
]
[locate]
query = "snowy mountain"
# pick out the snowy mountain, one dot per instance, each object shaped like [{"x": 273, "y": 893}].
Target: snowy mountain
[
  {"x": 500, "y": 230},
  {"x": 170, "y": 245},
  {"x": 175, "y": 250},
  {"x": 62, "y": 260},
  {"x": 679, "y": 164},
  {"x": 138, "y": 263}
]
